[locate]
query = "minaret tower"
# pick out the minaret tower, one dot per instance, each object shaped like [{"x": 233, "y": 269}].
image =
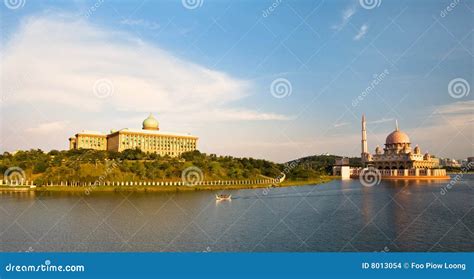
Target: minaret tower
[{"x": 365, "y": 151}]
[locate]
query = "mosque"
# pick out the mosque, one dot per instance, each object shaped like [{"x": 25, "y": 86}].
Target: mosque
[
  {"x": 397, "y": 153},
  {"x": 150, "y": 139},
  {"x": 397, "y": 159}
]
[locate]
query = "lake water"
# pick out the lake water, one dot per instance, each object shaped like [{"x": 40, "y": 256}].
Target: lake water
[{"x": 337, "y": 216}]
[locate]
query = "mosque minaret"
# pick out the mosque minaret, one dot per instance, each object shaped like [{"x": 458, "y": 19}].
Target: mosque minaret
[{"x": 365, "y": 156}]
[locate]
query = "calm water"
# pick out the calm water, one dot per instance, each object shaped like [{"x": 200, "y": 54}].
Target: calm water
[{"x": 341, "y": 215}]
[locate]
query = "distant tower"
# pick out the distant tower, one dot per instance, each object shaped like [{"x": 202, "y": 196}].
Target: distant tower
[{"x": 365, "y": 151}]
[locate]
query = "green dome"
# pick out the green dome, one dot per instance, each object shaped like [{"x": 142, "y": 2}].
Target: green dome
[{"x": 150, "y": 123}]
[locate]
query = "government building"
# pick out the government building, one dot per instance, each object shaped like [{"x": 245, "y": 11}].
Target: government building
[{"x": 149, "y": 139}]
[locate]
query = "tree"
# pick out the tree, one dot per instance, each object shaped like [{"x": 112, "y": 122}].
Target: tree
[{"x": 40, "y": 167}]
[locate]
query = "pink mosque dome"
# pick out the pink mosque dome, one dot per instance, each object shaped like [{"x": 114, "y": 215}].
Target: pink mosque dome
[{"x": 397, "y": 137}]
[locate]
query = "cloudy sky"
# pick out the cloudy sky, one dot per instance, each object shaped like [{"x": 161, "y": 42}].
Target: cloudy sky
[{"x": 267, "y": 79}]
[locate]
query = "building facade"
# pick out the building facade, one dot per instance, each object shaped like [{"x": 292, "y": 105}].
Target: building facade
[
  {"x": 342, "y": 168},
  {"x": 450, "y": 163},
  {"x": 88, "y": 140},
  {"x": 150, "y": 139}
]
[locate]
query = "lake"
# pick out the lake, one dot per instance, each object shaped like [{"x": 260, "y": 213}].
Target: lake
[{"x": 337, "y": 216}]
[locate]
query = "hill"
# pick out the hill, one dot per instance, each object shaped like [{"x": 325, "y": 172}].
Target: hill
[
  {"x": 310, "y": 166},
  {"x": 133, "y": 165}
]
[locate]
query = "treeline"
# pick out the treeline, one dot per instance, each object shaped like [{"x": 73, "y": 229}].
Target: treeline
[
  {"x": 132, "y": 165},
  {"x": 312, "y": 166}
]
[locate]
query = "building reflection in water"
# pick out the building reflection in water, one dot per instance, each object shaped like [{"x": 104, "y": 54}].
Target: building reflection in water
[
  {"x": 19, "y": 195},
  {"x": 391, "y": 206},
  {"x": 385, "y": 206}
]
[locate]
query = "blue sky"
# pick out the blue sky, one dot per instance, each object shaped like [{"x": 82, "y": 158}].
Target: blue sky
[{"x": 208, "y": 70}]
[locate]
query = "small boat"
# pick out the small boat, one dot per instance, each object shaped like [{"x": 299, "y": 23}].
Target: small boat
[{"x": 223, "y": 197}]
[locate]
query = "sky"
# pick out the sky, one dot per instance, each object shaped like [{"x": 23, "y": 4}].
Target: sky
[{"x": 276, "y": 79}]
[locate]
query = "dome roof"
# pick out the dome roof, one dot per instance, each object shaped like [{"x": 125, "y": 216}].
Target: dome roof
[
  {"x": 417, "y": 150},
  {"x": 397, "y": 137},
  {"x": 150, "y": 123}
]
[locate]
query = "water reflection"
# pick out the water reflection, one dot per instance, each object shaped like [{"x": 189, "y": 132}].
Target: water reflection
[{"x": 340, "y": 215}]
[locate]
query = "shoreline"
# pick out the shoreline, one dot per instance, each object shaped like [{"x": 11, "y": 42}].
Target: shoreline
[
  {"x": 400, "y": 177},
  {"x": 460, "y": 172},
  {"x": 88, "y": 189}
]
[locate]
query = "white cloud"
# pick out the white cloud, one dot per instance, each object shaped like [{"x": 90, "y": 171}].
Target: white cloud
[
  {"x": 56, "y": 62},
  {"x": 223, "y": 115},
  {"x": 141, "y": 23},
  {"x": 382, "y": 120},
  {"x": 48, "y": 127},
  {"x": 448, "y": 131},
  {"x": 456, "y": 114},
  {"x": 346, "y": 16},
  {"x": 462, "y": 107},
  {"x": 362, "y": 32},
  {"x": 342, "y": 124}
]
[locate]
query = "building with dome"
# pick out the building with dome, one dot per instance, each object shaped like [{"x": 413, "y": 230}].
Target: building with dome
[
  {"x": 149, "y": 139},
  {"x": 398, "y": 158},
  {"x": 397, "y": 153}
]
